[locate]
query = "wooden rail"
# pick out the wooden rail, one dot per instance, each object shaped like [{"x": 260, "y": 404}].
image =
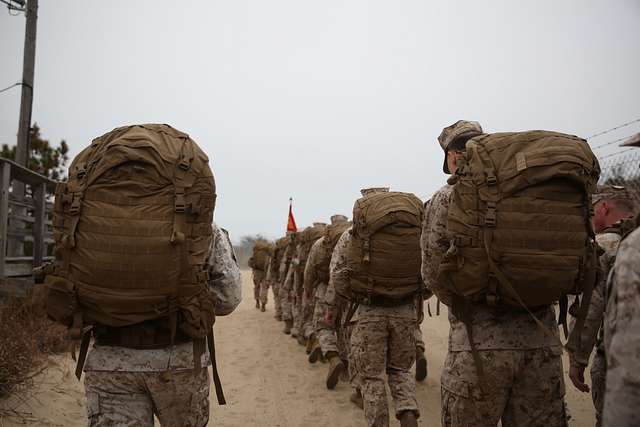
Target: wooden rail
[{"x": 24, "y": 218}]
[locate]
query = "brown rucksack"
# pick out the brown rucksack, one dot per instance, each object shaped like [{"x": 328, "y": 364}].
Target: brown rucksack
[
  {"x": 329, "y": 241},
  {"x": 260, "y": 258},
  {"x": 384, "y": 256},
  {"x": 520, "y": 214},
  {"x": 133, "y": 231}
]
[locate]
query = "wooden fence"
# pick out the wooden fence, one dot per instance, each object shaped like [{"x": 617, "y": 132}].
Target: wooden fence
[{"x": 26, "y": 237}]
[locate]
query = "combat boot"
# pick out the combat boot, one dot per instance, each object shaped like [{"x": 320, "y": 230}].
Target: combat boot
[
  {"x": 344, "y": 377},
  {"x": 258, "y": 304},
  {"x": 263, "y": 307},
  {"x": 335, "y": 369},
  {"x": 301, "y": 340},
  {"x": 311, "y": 342},
  {"x": 421, "y": 365},
  {"x": 408, "y": 419},
  {"x": 288, "y": 324},
  {"x": 356, "y": 398},
  {"x": 315, "y": 353},
  {"x": 278, "y": 317}
]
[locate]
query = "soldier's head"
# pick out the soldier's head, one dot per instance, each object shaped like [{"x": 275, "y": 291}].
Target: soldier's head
[
  {"x": 611, "y": 203},
  {"x": 338, "y": 219},
  {"x": 453, "y": 139},
  {"x": 373, "y": 190}
]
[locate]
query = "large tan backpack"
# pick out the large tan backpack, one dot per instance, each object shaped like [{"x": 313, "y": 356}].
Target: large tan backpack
[
  {"x": 520, "y": 216},
  {"x": 260, "y": 258},
  {"x": 329, "y": 241},
  {"x": 307, "y": 238},
  {"x": 133, "y": 231},
  {"x": 384, "y": 256}
]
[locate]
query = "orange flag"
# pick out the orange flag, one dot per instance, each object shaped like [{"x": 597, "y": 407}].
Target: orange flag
[{"x": 291, "y": 223}]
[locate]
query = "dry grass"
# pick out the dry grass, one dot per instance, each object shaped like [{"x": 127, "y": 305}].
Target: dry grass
[{"x": 26, "y": 335}]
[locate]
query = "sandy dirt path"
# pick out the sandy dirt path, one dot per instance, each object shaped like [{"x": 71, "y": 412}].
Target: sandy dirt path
[{"x": 267, "y": 380}]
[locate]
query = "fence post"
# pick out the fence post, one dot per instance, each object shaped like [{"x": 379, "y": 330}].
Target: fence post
[
  {"x": 39, "y": 216},
  {"x": 5, "y": 182}
]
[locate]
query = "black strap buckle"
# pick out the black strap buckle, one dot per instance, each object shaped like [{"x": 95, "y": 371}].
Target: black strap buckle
[{"x": 490, "y": 216}]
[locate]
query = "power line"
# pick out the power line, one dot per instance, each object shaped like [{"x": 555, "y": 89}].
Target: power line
[
  {"x": 12, "y": 86},
  {"x": 617, "y": 154},
  {"x": 615, "y": 128},
  {"x": 611, "y": 142}
]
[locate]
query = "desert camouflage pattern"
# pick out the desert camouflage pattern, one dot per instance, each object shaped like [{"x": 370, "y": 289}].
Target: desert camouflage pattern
[
  {"x": 382, "y": 341},
  {"x": 258, "y": 279},
  {"x": 225, "y": 283},
  {"x": 506, "y": 339},
  {"x": 132, "y": 398},
  {"x": 313, "y": 290},
  {"x": 590, "y": 337},
  {"x": 524, "y": 388},
  {"x": 622, "y": 336},
  {"x": 498, "y": 328},
  {"x": 272, "y": 281}
]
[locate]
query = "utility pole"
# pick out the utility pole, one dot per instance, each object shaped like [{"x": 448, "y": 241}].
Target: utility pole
[
  {"x": 16, "y": 247},
  {"x": 28, "y": 66}
]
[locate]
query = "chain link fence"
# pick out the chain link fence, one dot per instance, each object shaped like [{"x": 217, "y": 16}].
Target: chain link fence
[{"x": 620, "y": 166}]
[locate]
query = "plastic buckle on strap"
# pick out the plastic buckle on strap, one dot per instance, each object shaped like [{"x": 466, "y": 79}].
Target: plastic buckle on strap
[
  {"x": 74, "y": 209},
  {"x": 184, "y": 163},
  {"x": 491, "y": 177},
  {"x": 490, "y": 216},
  {"x": 81, "y": 170},
  {"x": 180, "y": 202}
]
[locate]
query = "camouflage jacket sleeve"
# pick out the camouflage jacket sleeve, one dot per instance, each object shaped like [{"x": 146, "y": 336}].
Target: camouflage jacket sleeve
[
  {"x": 282, "y": 269},
  {"x": 224, "y": 274},
  {"x": 310, "y": 273},
  {"x": 589, "y": 336},
  {"x": 338, "y": 272},
  {"x": 267, "y": 273},
  {"x": 435, "y": 241},
  {"x": 622, "y": 336}
]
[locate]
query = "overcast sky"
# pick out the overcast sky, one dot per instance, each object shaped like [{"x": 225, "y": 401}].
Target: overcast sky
[{"x": 317, "y": 99}]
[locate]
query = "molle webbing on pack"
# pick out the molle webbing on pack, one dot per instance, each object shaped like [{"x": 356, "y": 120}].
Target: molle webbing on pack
[
  {"x": 520, "y": 214},
  {"x": 133, "y": 231},
  {"x": 384, "y": 255}
]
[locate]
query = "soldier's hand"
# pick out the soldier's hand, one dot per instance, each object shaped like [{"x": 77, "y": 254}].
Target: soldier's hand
[{"x": 576, "y": 375}]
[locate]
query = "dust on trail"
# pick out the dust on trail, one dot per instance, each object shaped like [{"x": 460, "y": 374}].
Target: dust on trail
[{"x": 267, "y": 381}]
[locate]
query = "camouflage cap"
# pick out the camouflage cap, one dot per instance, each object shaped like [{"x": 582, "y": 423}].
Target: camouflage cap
[
  {"x": 338, "y": 219},
  {"x": 373, "y": 190},
  {"x": 610, "y": 192},
  {"x": 634, "y": 141},
  {"x": 319, "y": 224},
  {"x": 461, "y": 128}
]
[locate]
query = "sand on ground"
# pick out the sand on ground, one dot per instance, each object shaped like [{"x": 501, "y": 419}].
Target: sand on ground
[{"x": 267, "y": 380}]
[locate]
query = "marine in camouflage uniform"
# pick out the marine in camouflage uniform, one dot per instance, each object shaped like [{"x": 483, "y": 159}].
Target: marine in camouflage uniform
[
  {"x": 260, "y": 285},
  {"x": 126, "y": 386},
  {"x": 271, "y": 282},
  {"x": 286, "y": 283},
  {"x": 622, "y": 330},
  {"x": 610, "y": 204},
  {"x": 383, "y": 341},
  {"x": 524, "y": 383}
]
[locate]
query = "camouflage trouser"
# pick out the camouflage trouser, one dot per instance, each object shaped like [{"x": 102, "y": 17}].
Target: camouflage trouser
[
  {"x": 264, "y": 294},
  {"x": 258, "y": 278},
  {"x": 382, "y": 344},
  {"x": 133, "y": 398},
  {"x": 598, "y": 384},
  {"x": 313, "y": 310},
  {"x": 418, "y": 337},
  {"x": 523, "y": 388},
  {"x": 286, "y": 296}
]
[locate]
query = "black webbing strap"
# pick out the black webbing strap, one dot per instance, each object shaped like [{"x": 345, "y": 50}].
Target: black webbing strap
[
  {"x": 214, "y": 368},
  {"x": 82, "y": 355},
  {"x": 562, "y": 315},
  {"x": 574, "y": 338}
]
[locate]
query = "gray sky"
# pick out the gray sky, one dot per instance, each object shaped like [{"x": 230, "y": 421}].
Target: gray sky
[{"x": 316, "y": 99}]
